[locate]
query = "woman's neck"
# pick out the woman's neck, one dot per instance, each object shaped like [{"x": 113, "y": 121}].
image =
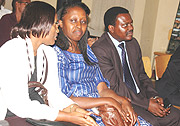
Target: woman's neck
[
  {"x": 36, "y": 42},
  {"x": 74, "y": 48}
]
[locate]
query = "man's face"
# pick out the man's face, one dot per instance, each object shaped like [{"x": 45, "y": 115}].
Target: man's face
[
  {"x": 123, "y": 29},
  {"x": 22, "y": 4}
]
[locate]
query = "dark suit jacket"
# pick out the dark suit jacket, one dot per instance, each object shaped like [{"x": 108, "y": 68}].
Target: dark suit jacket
[
  {"x": 169, "y": 84},
  {"x": 110, "y": 64}
]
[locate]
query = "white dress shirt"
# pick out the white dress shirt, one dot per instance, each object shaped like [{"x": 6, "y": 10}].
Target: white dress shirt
[
  {"x": 14, "y": 74},
  {"x": 116, "y": 43}
]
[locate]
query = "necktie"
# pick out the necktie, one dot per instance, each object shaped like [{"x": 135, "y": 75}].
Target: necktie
[{"x": 127, "y": 75}]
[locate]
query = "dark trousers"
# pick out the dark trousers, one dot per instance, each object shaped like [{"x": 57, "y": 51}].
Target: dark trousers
[{"x": 173, "y": 119}]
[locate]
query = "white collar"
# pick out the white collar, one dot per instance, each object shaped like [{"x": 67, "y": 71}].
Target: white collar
[{"x": 115, "y": 42}]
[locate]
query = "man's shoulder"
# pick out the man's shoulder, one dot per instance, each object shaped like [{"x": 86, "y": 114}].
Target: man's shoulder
[
  {"x": 102, "y": 41},
  {"x": 132, "y": 42}
]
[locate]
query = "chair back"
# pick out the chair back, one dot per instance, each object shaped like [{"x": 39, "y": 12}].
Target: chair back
[
  {"x": 147, "y": 66},
  {"x": 161, "y": 63}
]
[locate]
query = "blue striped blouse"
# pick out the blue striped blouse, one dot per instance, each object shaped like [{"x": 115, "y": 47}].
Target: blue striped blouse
[
  {"x": 76, "y": 77},
  {"x": 80, "y": 79}
]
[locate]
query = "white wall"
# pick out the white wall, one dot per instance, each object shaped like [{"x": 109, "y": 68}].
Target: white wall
[
  {"x": 165, "y": 19},
  {"x": 99, "y": 7}
]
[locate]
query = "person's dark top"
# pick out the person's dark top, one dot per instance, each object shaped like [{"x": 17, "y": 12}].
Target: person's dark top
[
  {"x": 6, "y": 24},
  {"x": 169, "y": 85}
]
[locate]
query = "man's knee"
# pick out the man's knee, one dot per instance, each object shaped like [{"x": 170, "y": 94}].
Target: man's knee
[
  {"x": 173, "y": 119},
  {"x": 176, "y": 114}
]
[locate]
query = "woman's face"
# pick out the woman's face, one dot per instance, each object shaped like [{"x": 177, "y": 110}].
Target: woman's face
[
  {"x": 74, "y": 23},
  {"x": 51, "y": 37}
]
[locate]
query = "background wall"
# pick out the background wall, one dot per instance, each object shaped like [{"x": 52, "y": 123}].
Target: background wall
[
  {"x": 159, "y": 16},
  {"x": 99, "y": 7},
  {"x": 152, "y": 20}
]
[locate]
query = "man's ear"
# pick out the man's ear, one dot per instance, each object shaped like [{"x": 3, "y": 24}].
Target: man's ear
[
  {"x": 111, "y": 28},
  {"x": 60, "y": 23}
]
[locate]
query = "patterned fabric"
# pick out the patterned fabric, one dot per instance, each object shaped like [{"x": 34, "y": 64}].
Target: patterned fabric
[
  {"x": 79, "y": 79},
  {"x": 142, "y": 122},
  {"x": 76, "y": 77}
]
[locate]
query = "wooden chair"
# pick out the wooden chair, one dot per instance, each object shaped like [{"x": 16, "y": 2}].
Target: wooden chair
[
  {"x": 161, "y": 63},
  {"x": 147, "y": 66}
]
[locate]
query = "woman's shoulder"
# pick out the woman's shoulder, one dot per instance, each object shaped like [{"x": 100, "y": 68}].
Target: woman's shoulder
[
  {"x": 15, "y": 44},
  {"x": 57, "y": 49},
  {"x": 59, "y": 53},
  {"x": 91, "y": 55}
]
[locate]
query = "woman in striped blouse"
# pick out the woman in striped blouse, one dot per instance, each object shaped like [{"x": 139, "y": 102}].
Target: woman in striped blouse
[{"x": 79, "y": 73}]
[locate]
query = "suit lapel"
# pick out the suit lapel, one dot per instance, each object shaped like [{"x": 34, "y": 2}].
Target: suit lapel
[
  {"x": 116, "y": 59},
  {"x": 131, "y": 53}
]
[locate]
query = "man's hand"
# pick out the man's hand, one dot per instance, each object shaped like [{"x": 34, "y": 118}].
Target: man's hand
[{"x": 156, "y": 107}]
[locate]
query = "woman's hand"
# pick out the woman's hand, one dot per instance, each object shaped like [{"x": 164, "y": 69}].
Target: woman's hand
[
  {"x": 82, "y": 119},
  {"x": 76, "y": 115},
  {"x": 129, "y": 113},
  {"x": 126, "y": 111}
]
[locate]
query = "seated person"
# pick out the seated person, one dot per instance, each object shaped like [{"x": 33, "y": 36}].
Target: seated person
[
  {"x": 169, "y": 85},
  {"x": 28, "y": 56},
  {"x": 9, "y": 20},
  {"x": 79, "y": 73},
  {"x": 120, "y": 60}
]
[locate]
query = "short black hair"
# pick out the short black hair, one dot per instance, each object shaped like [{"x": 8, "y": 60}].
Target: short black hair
[
  {"x": 111, "y": 14},
  {"x": 37, "y": 19}
]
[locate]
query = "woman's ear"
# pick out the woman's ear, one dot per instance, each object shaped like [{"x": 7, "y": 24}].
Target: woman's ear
[
  {"x": 111, "y": 28},
  {"x": 60, "y": 23}
]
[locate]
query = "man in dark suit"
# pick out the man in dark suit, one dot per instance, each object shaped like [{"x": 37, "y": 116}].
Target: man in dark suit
[
  {"x": 123, "y": 67},
  {"x": 169, "y": 85}
]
